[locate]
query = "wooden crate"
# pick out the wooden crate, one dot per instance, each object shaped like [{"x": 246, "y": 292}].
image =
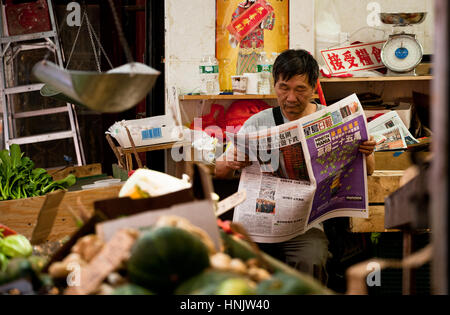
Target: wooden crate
[
  {"x": 395, "y": 161},
  {"x": 380, "y": 185},
  {"x": 21, "y": 215}
]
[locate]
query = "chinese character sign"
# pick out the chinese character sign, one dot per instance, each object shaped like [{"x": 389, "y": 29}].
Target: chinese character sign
[
  {"x": 354, "y": 58},
  {"x": 249, "y": 20},
  {"x": 246, "y": 28}
]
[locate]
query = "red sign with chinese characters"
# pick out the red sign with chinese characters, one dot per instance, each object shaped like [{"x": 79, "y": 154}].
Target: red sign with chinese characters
[
  {"x": 249, "y": 20},
  {"x": 353, "y": 58}
]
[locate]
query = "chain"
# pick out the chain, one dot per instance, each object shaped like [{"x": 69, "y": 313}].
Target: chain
[
  {"x": 75, "y": 42},
  {"x": 122, "y": 38},
  {"x": 97, "y": 61},
  {"x": 98, "y": 41}
]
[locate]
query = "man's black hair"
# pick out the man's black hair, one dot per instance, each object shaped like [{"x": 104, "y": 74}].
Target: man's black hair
[{"x": 296, "y": 62}]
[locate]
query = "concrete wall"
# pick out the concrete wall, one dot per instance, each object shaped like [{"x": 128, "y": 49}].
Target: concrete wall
[
  {"x": 353, "y": 18},
  {"x": 190, "y": 30},
  {"x": 190, "y": 34}
]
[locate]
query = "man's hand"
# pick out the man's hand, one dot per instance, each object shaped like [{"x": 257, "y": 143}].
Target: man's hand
[
  {"x": 230, "y": 162},
  {"x": 368, "y": 147},
  {"x": 237, "y": 161}
]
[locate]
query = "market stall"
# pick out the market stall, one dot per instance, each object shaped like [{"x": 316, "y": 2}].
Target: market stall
[{"x": 213, "y": 151}]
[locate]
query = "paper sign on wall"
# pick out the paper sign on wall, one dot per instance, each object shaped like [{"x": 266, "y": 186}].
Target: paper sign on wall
[{"x": 353, "y": 58}]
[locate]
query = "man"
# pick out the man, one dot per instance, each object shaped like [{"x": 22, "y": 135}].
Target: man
[{"x": 295, "y": 74}]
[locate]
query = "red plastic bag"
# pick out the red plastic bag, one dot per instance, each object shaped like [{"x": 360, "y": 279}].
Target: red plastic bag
[
  {"x": 211, "y": 122},
  {"x": 6, "y": 231},
  {"x": 240, "y": 111}
]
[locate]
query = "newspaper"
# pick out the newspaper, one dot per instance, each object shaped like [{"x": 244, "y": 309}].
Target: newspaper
[
  {"x": 303, "y": 173},
  {"x": 390, "y": 132}
]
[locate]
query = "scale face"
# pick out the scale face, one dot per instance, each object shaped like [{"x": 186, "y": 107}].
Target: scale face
[{"x": 402, "y": 53}]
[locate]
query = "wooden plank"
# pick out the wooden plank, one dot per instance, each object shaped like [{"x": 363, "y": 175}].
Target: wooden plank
[
  {"x": 78, "y": 171},
  {"x": 155, "y": 147},
  {"x": 395, "y": 160},
  {"x": 21, "y": 215},
  {"x": 382, "y": 184},
  {"x": 375, "y": 222}
]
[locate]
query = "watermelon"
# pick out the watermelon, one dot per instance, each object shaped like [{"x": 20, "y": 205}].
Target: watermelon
[
  {"x": 284, "y": 284},
  {"x": 131, "y": 289},
  {"x": 211, "y": 282},
  {"x": 17, "y": 268},
  {"x": 163, "y": 258},
  {"x": 235, "y": 286}
]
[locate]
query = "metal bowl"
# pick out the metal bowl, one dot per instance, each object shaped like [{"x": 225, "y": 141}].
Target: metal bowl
[{"x": 403, "y": 19}]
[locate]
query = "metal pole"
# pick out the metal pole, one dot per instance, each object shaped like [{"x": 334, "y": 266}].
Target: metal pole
[{"x": 439, "y": 169}]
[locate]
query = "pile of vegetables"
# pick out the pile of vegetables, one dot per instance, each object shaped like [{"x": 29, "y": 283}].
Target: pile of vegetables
[
  {"x": 175, "y": 257},
  {"x": 18, "y": 263},
  {"x": 19, "y": 179},
  {"x": 12, "y": 245}
]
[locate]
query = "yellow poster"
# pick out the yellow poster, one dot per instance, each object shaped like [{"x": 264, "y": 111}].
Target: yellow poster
[{"x": 270, "y": 35}]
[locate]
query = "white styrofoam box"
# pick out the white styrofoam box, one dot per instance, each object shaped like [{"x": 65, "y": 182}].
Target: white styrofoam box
[
  {"x": 403, "y": 110},
  {"x": 147, "y": 131}
]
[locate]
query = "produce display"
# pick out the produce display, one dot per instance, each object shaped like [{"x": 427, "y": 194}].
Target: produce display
[
  {"x": 169, "y": 256},
  {"x": 19, "y": 179},
  {"x": 174, "y": 257}
]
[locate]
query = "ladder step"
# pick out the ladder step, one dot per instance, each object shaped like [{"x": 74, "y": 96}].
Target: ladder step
[
  {"x": 25, "y": 37},
  {"x": 24, "y": 88},
  {"x": 42, "y": 138},
  {"x": 41, "y": 112}
]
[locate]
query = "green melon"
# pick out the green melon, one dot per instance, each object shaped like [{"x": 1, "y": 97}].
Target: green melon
[
  {"x": 131, "y": 289},
  {"x": 284, "y": 284},
  {"x": 163, "y": 258},
  {"x": 212, "y": 282},
  {"x": 235, "y": 286}
]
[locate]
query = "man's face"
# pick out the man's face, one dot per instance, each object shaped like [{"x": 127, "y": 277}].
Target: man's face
[{"x": 294, "y": 95}]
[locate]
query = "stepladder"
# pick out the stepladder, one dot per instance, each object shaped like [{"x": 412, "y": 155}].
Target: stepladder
[{"x": 29, "y": 29}]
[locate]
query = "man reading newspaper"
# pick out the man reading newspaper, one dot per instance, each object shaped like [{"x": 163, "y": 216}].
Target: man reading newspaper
[{"x": 295, "y": 75}]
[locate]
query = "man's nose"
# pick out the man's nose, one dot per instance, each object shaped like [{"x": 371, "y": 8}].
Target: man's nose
[{"x": 291, "y": 96}]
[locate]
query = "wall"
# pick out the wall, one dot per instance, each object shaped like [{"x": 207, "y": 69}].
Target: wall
[
  {"x": 190, "y": 30},
  {"x": 353, "y": 15},
  {"x": 190, "y": 34}
]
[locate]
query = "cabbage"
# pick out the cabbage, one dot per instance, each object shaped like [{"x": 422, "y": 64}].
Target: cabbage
[{"x": 15, "y": 246}]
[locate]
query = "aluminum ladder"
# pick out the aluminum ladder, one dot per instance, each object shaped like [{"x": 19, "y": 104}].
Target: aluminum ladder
[{"x": 10, "y": 46}]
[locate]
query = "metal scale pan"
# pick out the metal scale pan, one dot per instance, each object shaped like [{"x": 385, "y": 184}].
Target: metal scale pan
[
  {"x": 114, "y": 91},
  {"x": 403, "y": 19}
]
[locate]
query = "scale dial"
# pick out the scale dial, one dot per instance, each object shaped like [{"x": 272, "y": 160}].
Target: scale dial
[{"x": 402, "y": 53}]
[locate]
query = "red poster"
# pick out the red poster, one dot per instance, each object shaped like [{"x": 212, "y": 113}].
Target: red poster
[{"x": 249, "y": 20}]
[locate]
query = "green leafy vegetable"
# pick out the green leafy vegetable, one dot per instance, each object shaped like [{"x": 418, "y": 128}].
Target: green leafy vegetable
[
  {"x": 3, "y": 262},
  {"x": 19, "y": 179},
  {"x": 16, "y": 246}
]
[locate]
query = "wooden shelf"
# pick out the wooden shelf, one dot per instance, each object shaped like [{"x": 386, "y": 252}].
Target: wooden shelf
[
  {"x": 230, "y": 97},
  {"x": 377, "y": 79},
  {"x": 226, "y": 97}
]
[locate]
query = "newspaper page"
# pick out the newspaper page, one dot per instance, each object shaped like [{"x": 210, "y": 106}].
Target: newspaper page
[
  {"x": 390, "y": 132},
  {"x": 303, "y": 173}
]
